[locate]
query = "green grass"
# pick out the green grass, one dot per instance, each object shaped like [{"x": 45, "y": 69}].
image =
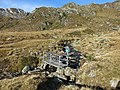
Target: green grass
[
  {"x": 29, "y": 61},
  {"x": 90, "y": 57},
  {"x": 88, "y": 31}
]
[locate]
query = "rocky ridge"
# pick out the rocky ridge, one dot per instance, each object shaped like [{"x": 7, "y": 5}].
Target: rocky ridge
[
  {"x": 70, "y": 15},
  {"x": 13, "y": 12}
]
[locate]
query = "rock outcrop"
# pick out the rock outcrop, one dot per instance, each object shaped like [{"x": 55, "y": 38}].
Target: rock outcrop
[
  {"x": 70, "y": 15},
  {"x": 13, "y": 12}
]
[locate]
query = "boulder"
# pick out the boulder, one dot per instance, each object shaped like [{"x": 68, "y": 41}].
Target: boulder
[
  {"x": 25, "y": 69},
  {"x": 114, "y": 83}
]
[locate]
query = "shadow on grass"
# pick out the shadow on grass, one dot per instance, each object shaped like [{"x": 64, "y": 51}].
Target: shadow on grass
[{"x": 55, "y": 83}]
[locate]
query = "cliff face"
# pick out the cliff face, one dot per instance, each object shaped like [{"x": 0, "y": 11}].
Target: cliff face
[{"x": 13, "y": 12}]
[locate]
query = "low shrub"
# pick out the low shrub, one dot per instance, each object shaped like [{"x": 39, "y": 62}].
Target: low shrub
[
  {"x": 90, "y": 57},
  {"x": 30, "y": 61}
]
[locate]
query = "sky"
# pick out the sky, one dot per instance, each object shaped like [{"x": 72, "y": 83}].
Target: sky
[{"x": 30, "y": 5}]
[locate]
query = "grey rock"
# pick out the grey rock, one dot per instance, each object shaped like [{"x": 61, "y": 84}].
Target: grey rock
[
  {"x": 10, "y": 53},
  {"x": 92, "y": 73},
  {"x": 116, "y": 28},
  {"x": 34, "y": 71},
  {"x": 13, "y": 12},
  {"x": 25, "y": 69},
  {"x": 114, "y": 83}
]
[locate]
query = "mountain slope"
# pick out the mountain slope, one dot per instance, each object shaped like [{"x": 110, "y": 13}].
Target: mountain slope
[
  {"x": 70, "y": 15},
  {"x": 93, "y": 30},
  {"x": 13, "y": 12}
]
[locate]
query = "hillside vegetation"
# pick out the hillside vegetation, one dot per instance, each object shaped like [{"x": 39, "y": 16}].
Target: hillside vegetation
[{"x": 93, "y": 30}]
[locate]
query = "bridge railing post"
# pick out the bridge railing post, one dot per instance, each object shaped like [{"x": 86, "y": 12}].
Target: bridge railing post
[
  {"x": 67, "y": 59},
  {"x": 59, "y": 61}
]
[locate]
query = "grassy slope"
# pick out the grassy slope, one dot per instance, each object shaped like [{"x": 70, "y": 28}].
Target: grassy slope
[
  {"x": 104, "y": 47},
  {"x": 26, "y": 82}
]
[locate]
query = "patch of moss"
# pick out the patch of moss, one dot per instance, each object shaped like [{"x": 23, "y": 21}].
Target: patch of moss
[
  {"x": 90, "y": 57},
  {"x": 29, "y": 60},
  {"x": 88, "y": 31},
  {"x": 75, "y": 33}
]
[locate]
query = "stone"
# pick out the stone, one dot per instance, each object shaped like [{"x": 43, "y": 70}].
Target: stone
[
  {"x": 34, "y": 71},
  {"x": 25, "y": 69},
  {"x": 71, "y": 87},
  {"x": 8, "y": 39},
  {"x": 92, "y": 73},
  {"x": 10, "y": 53},
  {"x": 114, "y": 83},
  {"x": 85, "y": 88}
]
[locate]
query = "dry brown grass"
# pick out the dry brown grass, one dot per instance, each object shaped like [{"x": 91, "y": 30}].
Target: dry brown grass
[
  {"x": 16, "y": 44},
  {"x": 104, "y": 47},
  {"x": 26, "y": 82}
]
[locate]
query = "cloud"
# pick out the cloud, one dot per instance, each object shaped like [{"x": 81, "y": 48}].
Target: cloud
[
  {"x": 26, "y": 7},
  {"x": 17, "y": 4}
]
